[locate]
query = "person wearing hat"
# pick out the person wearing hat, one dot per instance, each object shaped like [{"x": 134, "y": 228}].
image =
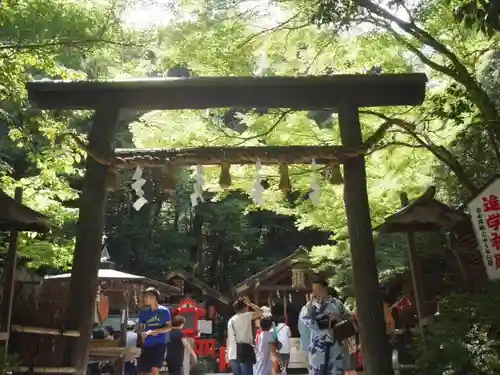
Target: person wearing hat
[
  {"x": 154, "y": 322},
  {"x": 321, "y": 314}
]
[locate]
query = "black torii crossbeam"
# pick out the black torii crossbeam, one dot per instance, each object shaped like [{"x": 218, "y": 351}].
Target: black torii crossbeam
[{"x": 343, "y": 93}]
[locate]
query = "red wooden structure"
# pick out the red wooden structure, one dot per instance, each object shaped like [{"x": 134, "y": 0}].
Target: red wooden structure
[
  {"x": 192, "y": 312},
  {"x": 222, "y": 359},
  {"x": 205, "y": 347}
]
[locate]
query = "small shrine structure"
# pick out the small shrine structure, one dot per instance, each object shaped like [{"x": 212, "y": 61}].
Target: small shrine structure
[
  {"x": 118, "y": 291},
  {"x": 422, "y": 284},
  {"x": 283, "y": 286},
  {"x": 424, "y": 214},
  {"x": 14, "y": 218}
]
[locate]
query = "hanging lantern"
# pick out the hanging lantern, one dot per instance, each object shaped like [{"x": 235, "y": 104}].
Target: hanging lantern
[
  {"x": 225, "y": 175},
  {"x": 112, "y": 179},
  {"x": 168, "y": 178},
  {"x": 285, "y": 184},
  {"x": 298, "y": 279},
  {"x": 333, "y": 174}
]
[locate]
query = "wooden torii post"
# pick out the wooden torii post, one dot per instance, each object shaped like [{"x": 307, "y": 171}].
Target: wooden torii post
[{"x": 344, "y": 93}]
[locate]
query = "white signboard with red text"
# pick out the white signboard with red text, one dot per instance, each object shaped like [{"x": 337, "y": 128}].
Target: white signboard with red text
[{"x": 485, "y": 215}]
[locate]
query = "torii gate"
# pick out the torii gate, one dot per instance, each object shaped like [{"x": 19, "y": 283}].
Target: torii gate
[{"x": 345, "y": 93}]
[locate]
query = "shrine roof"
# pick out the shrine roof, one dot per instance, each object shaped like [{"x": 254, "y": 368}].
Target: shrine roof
[
  {"x": 304, "y": 92},
  {"x": 280, "y": 266},
  {"x": 203, "y": 286},
  {"x": 114, "y": 275},
  {"x": 423, "y": 214},
  {"x": 17, "y": 217}
]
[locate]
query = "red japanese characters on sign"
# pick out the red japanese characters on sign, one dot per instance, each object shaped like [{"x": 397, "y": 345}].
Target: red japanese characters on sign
[
  {"x": 485, "y": 216},
  {"x": 492, "y": 205}
]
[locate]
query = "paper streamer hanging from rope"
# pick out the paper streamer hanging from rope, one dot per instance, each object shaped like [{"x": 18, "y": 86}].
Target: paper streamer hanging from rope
[
  {"x": 258, "y": 189},
  {"x": 137, "y": 187},
  {"x": 104, "y": 249},
  {"x": 199, "y": 181},
  {"x": 314, "y": 188}
]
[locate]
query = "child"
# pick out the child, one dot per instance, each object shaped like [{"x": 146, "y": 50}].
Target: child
[
  {"x": 176, "y": 347},
  {"x": 283, "y": 335},
  {"x": 266, "y": 348}
]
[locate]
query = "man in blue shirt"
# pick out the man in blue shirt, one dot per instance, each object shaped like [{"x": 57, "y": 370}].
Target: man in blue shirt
[{"x": 154, "y": 322}]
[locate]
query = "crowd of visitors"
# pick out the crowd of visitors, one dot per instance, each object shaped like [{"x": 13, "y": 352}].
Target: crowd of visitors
[{"x": 328, "y": 333}]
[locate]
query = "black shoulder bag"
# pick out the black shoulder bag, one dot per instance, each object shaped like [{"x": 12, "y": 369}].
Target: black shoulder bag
[
  {"x": 244, "y": 351},
  {"x": 276, "y": 342}
]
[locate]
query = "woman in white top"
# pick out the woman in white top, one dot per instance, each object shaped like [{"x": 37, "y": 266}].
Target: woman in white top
[{"x": 239, "y": 333}]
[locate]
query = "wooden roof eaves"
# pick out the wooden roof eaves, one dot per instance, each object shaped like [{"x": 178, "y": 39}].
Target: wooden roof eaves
[
  {"x": 170, "y": 289},
  {"x": 304, "y": 92},
  {"x": 204, "y": 287},
  {"x": 402, "y": 220},
  {"x": 269, "y": 271},
  {"x": 17, "y": 217}
]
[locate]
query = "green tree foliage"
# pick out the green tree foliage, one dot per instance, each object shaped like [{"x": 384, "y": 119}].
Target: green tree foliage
[
  {"x": 46, "y": 39},
  {"x": 482, "y": 15},
  {"x": 464, "y": 338}
]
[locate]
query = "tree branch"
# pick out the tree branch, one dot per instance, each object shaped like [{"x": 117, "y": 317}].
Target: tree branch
[
  {"x": 426, "y": 60},
  {"x": 62, "y": 43},
  {"x": 393, "y": 143},
  {"x": 268, "y": 131},
  {"x": 439, "y": 152},
  {"x": 462, "y": 75}
]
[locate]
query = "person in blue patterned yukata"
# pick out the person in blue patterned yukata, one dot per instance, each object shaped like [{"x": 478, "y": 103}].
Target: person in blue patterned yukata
[{"x": 321, "y": 313}]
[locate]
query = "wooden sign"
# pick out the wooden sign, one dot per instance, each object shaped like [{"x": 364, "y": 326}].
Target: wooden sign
[
  {"x": 298, "y": 278},
  {"x": 484, "y": 210}
]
